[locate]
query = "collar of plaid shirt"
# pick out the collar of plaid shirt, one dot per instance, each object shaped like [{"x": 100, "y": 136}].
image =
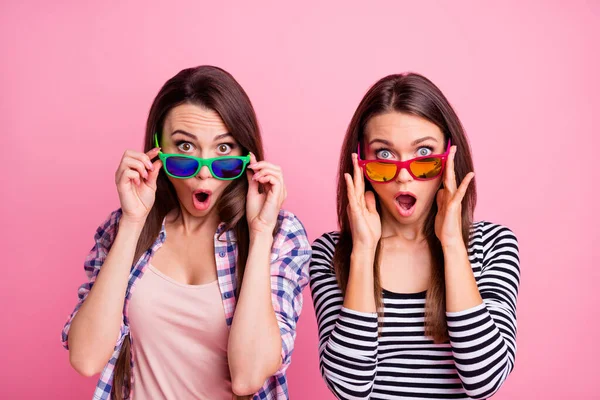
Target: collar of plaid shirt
[{"x": 290, "y": 255}]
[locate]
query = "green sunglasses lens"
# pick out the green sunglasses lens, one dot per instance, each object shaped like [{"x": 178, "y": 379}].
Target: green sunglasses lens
[
  {"x": 227, "y": 168},
  {"x": 181, "y": 167}
]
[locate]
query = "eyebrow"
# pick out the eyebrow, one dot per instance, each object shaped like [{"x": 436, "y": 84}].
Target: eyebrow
[
  {"x": 423, "y": 139},
  {"x": 192, "y": 136},
  {"x": 414, "y": 143},
  {"x": 184, "y": 133}
]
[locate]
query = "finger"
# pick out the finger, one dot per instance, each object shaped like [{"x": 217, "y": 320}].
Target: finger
[
  {"x": 252, "y": 158},
  {"x": 259, "y": 165},
  {"x": 131, "y": 175},
  {"x": 370, "y": 202},
  {"x": 274, "y": 191},
  {"x": 359, "y": 185},
  {"x": 153, "y": 175},
  {"x": 142, "y": 157},
  {"x": 137, "y": 165},
  {"x": 268, "y": 171},
  {"x": 252, "y": 183},
  {"x": 464, "y": 185},
  {"x": 440, "y": 199},
  {"x": 151, "y": 154},
  {"x": 449, "y": 175},
  {"x": 271, "y": 180},
  {"x": 350, "y": 189}
]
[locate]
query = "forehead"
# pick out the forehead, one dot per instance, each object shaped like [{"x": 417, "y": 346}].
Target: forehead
[
  {"x": 194, "y": 119},
  {"x": 401, "y": 128}
]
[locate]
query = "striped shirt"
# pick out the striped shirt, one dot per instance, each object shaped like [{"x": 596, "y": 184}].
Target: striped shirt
[
  {"x": 290, "y": 255},
  {"x": 401, "y": 362}
]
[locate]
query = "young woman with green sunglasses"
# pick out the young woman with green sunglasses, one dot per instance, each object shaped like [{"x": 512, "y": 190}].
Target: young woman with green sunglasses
[{"x": 195, "y": 283}]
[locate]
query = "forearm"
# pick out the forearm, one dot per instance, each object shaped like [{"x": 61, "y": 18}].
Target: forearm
[
  {"x": 483, "y": 336},
  {"x": 359, "y": 290},
  {"x": 95, "y": 327},
  {"x": 461, "y": 287},
  {"x": 254, "y": 348}
]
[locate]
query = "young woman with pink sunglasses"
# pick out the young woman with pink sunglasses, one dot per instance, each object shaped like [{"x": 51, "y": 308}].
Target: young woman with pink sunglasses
[{"x": 413, "y": 299}]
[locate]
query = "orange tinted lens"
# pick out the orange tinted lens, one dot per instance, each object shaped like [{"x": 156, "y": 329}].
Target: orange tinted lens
[
  {"x": 380, "y": 172},
  {"x": 426, "y": 168}
]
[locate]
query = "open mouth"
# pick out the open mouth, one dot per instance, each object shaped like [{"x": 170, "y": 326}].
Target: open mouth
[
  {"x": 201, "y": 199},
  {"x": 405, "y": 203},
  {"x": 201, "y": 196}
]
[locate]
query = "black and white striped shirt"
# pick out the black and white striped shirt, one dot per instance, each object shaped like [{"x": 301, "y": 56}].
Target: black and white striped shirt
[{"x": 403, "y": 363}]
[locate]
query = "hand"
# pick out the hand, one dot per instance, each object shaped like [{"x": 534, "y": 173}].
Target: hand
[
  {"x": 365, "y": 223},
  {"x": 262, "y": 209},
  {"x": 136, "y": 183},
  {"x": 448, "y": 221}
]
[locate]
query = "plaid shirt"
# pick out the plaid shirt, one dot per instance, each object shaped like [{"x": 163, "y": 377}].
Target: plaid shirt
[{"x": 290, "y": 255}]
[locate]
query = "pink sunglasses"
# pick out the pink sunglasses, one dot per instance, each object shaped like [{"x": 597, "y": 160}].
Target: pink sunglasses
[{"x": 420, "y": 168}]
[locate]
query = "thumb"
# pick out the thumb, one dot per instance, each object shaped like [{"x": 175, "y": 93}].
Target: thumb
[
  {"x": 252, "y": 184},
  {"x": 440, "y": 198},
  {"x": 153, "y": 175},
  {"x": 370, "y": 201}
]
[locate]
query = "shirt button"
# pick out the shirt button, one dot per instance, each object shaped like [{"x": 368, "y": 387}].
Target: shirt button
[
  {"x": 222, "y": 254},
  {"x": 227, "y": 295}
]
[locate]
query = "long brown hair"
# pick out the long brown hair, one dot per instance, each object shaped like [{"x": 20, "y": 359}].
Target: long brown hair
[
  {"x": 214, "y": 89},
  {"x": 414, "y": 94}
]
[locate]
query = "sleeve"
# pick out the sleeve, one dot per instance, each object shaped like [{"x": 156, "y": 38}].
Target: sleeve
[
  {"x": 104, "y": 237},
  {"x": 289, "y": 276},
  {"x": 483, "y": 338},
  {"x": 347, "y": 338}
]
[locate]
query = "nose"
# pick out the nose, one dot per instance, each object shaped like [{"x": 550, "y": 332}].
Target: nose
[
  {"x": 404, "y": 176},
  {"x": 204, "y": 173}
]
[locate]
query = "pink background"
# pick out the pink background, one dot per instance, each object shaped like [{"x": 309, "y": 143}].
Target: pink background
[{"x": 77, "y": 80}]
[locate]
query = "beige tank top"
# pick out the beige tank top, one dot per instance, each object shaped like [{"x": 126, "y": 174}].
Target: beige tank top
[{"x": 179, "y": 338}]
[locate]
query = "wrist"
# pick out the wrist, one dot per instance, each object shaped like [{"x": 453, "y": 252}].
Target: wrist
[
  {"x": 132, "y": 224},
  {"x": 454, "y": 246},
  {"x": 364, "y": 248},
  {"x": 364, "y": 255},
  {"x": 261, "y": 237}
]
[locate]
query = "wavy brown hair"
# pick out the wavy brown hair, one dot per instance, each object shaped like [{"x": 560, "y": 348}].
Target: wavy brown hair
[
  {"x": 413, "y": 94},
  {"x": 215, "y": 89}
]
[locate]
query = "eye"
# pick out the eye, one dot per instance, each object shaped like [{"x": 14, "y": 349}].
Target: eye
[
  {"x": 383, "y": 154},
  {"x": 186, "y": 147},
  {"x": 224, "y": 148},
  {"x": 424, "y": 151}
]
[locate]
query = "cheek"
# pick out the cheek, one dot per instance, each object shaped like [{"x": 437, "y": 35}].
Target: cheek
[
  {"x": 182, "y": 186},
  {"x": 430, "y": 190},
  {"x": 385, "y": 192}
]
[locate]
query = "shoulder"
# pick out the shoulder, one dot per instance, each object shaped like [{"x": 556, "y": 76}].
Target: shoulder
[
  {"x": 288, "y": 223},
  {"x": 323, "y": 249},
  {"x": 290, "y": 229},
  {"x": 290, "y": 234},
  {"x": 489, "y": 234},
  {"x": 327, "y": 241},
  {"x": 497, "y": 246}
]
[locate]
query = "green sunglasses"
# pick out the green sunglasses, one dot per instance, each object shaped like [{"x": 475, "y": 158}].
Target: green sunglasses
[{"x": 182, "y": 166}]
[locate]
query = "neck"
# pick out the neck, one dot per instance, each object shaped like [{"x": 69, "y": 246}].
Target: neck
[{"x": 408, "y": 234}]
